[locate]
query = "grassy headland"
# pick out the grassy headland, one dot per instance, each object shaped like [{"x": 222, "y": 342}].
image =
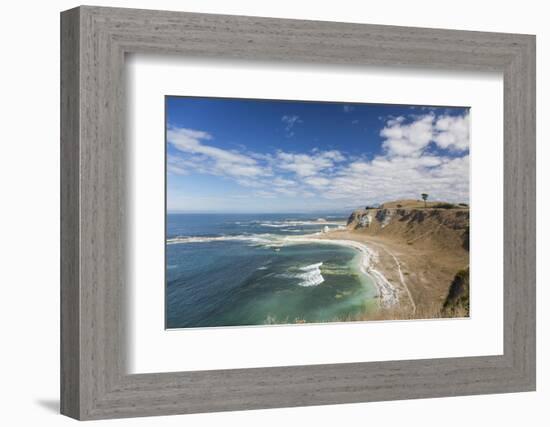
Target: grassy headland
[{"x": 422, "y": 249}]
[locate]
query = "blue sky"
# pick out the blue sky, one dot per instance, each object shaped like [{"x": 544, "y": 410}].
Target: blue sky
[{"x": 238, "y": 155}]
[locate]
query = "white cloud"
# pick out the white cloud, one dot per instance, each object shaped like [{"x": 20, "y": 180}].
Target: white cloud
[
  {"x": 408, "y": 165},
  {"x": 395, "y": 120},
  {"x": 250, "y": 183},
  {"x": 177, "y": 170},
  {"x": 286, "y": 191},
  {"x": 265, "y": 194},
  {"x": 317, "y": 181},
  {"x": 348, "y": 108},
  {"x": 290, "y": 121},
  {"x": 390, "y": 178},
  {"x": 213, "y": 159},
  {"x": 182, "y": 166},
  {"x": 453, "y": 132},
  {"x": 402, "y": 138},
  {"x": 333, "y": 155},
  {"x": 283, "y": 182},
  {"x": 407, "y": 139},
  {"x": 305, "y": 165}
]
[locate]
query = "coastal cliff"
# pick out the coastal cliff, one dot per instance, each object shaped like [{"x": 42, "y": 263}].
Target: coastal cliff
[
  {"x": 459, "y": 293},
  {"x": 445, "y": 227}
]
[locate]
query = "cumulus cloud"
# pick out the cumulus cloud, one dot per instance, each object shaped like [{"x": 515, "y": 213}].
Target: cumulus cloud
[
  {"x": 390, "y": 178},
  {"x": 408, "y": 165},
  {"x": 334, "y": 155},
  {"x": 453, "y": 132},
  {"x": 411, "y": 138},
  {"x": 407, "y": 139},
  {"x": 421, "y": 153}
]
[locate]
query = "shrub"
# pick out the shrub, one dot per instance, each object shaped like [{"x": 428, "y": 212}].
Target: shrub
[{"x": 444, "y": 206}]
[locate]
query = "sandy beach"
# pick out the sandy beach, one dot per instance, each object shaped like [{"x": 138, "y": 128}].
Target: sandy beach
[
  {"x": 411, "y": 280},
  {"x": 388, "y": 293}
]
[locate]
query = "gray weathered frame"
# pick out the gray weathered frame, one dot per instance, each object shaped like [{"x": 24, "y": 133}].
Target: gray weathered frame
[{"x": 94, "y": 41}]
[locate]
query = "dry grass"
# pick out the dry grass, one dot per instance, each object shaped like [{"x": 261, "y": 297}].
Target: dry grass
[
  {"x": 419, "y": 204},
  {"x": 431, "y": 311}
]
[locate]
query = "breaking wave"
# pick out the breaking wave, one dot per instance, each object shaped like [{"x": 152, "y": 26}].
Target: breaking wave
[
  {"x": 255, "y": 238},
  {"x": 296, "y": 223},
  {"x": 311, "y": 275}
]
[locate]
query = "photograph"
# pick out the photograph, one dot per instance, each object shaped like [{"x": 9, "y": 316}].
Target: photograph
[{"x": 296, "y": 212}]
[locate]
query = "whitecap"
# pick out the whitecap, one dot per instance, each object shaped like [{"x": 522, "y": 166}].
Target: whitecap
[
  {"x": 312, "y": 266},
  {"x": 295, "y": 223},
  {"x": 311, "y": 275},
  {"x": 254, "y": 238}
]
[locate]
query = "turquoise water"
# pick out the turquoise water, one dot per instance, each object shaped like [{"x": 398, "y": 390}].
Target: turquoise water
[{"x": 234, "y": 270}]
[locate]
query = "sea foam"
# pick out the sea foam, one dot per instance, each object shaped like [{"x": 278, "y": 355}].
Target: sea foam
[
  {"x": 311, "y": 275},
  {"x": 296, "y": 223},
  {"x": 254, "y": 238}
]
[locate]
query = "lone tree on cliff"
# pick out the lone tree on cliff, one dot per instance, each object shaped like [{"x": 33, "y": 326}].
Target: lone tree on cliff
[{"x": 424, "y": 197}]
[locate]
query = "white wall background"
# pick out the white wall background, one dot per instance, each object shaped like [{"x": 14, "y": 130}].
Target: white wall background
[{"x": 29, "y": 212}]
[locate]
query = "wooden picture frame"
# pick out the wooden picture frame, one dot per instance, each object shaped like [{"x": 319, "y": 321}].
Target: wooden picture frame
[{"x": 94, "y": 382}]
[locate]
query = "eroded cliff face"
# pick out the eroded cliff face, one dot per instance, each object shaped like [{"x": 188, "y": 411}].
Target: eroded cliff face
[
  {"x": 458, "y": 299},
  {"x": 445, "y": 228}
]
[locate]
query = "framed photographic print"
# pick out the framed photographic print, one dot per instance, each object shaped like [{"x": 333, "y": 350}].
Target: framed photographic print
[
  {"x": 271, "y": 231},
  {"x": 261, "y": 213}
]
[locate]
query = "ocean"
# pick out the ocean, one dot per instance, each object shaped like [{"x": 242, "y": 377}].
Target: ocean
[{"x": 244, "y": 269}]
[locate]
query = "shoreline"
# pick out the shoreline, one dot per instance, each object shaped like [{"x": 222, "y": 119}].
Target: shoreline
[
  {"x": 370, "y": 263},
  {"x": 388, "y": 295},
  {"x": 407, "y": 267}
]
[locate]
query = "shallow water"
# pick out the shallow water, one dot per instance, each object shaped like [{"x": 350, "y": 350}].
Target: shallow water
[{"x": 229, "y": 270}]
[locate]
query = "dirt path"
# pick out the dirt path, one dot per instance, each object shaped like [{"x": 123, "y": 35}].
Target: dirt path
[
  {"x": 385, "y": 266},
  {"x": 421, "y": 272},
  {"x": 401, "y": 276}
]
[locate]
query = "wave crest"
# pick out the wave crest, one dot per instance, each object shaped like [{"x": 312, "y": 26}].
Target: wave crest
[
  {"x": 311, "y": 275},
  {"x": 256, "y": 238}
]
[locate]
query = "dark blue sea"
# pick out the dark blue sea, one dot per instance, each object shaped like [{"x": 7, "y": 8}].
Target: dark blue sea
[{"x": 245, "y": 269}]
